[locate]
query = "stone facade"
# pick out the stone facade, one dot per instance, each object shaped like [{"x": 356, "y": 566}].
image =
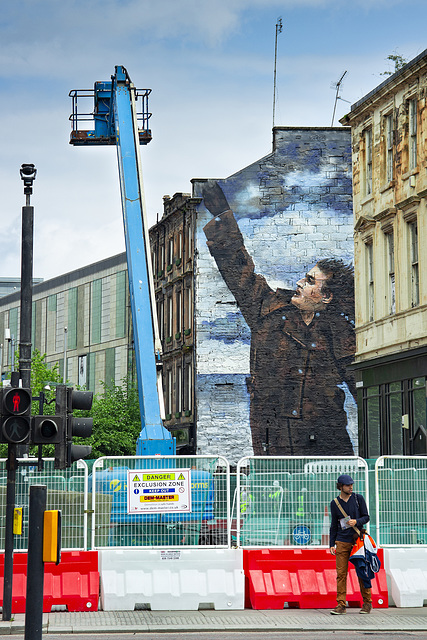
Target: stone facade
[
  {"x": 389, "y": 129},
  {"x": 172, "y": 252}
]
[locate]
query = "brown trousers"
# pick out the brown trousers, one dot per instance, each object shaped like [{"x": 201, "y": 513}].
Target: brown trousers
[{"x": 342, "y": 555}]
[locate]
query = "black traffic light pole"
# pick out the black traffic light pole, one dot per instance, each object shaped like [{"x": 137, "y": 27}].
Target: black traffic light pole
[{"x": 28, "y": 174}]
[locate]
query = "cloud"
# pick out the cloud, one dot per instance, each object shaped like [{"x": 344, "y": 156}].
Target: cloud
[{"x": 210, "y": 67}]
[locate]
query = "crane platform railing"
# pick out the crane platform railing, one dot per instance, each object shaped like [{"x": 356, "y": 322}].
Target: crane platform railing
[{"x": 101, "y": 116}]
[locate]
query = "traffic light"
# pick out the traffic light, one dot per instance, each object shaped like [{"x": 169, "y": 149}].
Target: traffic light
[
  {"x": 67, "y": 400},
  {"x": 47, "y": 429},
  {"x": 15, "y": 415}
]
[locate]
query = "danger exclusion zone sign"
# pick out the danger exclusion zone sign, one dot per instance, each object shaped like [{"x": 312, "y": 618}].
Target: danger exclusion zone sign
[{"x": 159, "y": 491}]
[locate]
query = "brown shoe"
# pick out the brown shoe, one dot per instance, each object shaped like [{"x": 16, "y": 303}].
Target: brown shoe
[
  {"x": 339, "y": 610},
  {"x": 367, "y": 608}
]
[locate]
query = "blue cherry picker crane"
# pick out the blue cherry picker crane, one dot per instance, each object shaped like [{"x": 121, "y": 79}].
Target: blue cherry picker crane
[{"x": 117, "y": 121}]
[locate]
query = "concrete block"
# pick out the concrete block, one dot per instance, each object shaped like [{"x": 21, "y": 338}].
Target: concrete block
[
  {"x": 406, "y": 571},
  {"x": 171, "y": 579}
]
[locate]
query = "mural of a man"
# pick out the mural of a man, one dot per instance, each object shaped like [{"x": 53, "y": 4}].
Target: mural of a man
[{"x": 302, "y": 342}]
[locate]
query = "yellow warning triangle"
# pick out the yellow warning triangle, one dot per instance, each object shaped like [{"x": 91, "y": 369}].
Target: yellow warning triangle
[
  {"x": 136, "y": 479},
  {"x": 181, "y": 477}
]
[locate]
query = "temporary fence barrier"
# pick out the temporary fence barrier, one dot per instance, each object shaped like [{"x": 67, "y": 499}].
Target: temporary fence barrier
[
  {"x": 66, "y": 491},
  {"x": 171, "y": 579},
  {"x": 302, "y": 578},
  {"x": 406, "y": 570},
  {"x": 284, "y": 501},
  {"x": 73, "y": 584},
  {"x": 268, "y": 502},
  {"x": 170, "y": 501},
  {"x": 401, "y": 501}
]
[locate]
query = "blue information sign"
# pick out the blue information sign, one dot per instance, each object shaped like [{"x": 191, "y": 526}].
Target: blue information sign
[{"x": 301, "y": 534}]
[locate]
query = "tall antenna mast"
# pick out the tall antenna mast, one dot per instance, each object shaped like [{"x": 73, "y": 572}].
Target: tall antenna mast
[
  {"x": 278, "y": 30},
  {"x": 337, "y": 86}
]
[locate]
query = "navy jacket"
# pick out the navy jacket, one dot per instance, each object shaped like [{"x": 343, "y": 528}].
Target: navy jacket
[{"x": 356, "y": 508}]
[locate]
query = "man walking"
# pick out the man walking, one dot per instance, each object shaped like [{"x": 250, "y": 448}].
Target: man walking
[{"x": 348, "y": 515}]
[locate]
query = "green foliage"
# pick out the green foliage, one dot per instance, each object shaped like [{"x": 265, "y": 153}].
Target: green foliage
[
  {"x": 42, "y": 375},
  {"x": 398, "y": 62},
  {"x": 115, "y": 412},
  {"x": 116, "y": 421}
]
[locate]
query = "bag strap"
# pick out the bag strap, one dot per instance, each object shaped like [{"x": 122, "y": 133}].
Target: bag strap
[{"x": 345, "y": 515}]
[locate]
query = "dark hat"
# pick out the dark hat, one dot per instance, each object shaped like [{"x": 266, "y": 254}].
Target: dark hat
[{"x": 345, "y": 479}]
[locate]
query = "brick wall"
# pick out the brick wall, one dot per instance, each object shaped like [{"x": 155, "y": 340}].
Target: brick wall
[{"x": 292, "y": 207}]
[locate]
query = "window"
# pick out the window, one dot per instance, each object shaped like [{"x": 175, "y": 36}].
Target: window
[
  {"x": 91, "y": 371},
  {"x": 178, "y": 311},
  {"x": 110, "y": 367},
  {"x": 412, "y": 134},
  {"x": 370, "y": 272},
  {"x": 415, "y": 282},
  {"x": 82, "y": 372},
  {"x": 96, "y": 310},
  {"x": 372, "y": 424},
  {"x": 170, "y": 318},
  {"x": 179, "y": 389},
  {"x": 392, "y": 413},
  {"x": 391, "y": 275},
  {"x": 160, "y": 318},
  {"x": 179, "y": 249},
  {"x": 72, "y": 318},
  {"x": 188, "y": 386},
  {"x": 169, "y": 392},
  {"x": 389, "y": 147},
  {"x": 417, "y": 404},
  {"x": 188, "y": 313},
  {"x": 189, "y": 241},
  {"x": 161, "y": 260},
  {"x": 393, "y": 396},
  {"x": 368, "y": 162},
  {"x": 121, "y": 304},
  {"x": 170, "y": 251}
]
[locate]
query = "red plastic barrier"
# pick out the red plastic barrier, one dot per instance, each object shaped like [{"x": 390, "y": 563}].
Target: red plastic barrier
[
  {"x": 303, "y": 578},
  {"x": 74, "y": 582}
]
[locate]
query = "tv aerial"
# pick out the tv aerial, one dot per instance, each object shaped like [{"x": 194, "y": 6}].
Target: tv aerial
[{"x": 337, "y": 86}]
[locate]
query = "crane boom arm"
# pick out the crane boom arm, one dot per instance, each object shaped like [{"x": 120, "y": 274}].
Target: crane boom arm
[{"x": 116, "y": 118}]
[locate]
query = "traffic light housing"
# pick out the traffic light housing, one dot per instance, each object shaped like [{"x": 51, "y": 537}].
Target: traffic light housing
[
  {"x": 15, "y": 415},
  {"x": 67, "y": 400},
  {"x": 47, "y": 429}
]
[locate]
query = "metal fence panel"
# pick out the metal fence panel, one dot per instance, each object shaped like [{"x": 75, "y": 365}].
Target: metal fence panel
[
  {"x": 66, "y": 491},
  {"x": 284, "y": 501},
  {"x": 401, "y": 501},
  {"x": 207, "y": 524}
]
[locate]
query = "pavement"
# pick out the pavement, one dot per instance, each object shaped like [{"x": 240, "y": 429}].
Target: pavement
[{"x": 392, "y": 619}]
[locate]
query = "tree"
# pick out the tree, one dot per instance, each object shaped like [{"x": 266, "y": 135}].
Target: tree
[
  {"x": 44, "y": 379},
  {"x": 398, "y": 61},
  {"x": 115, "y": 412},
  {"x": 116, "y": 421}
]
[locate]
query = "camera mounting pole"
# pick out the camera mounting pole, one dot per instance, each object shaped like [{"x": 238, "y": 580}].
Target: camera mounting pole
[{"x": 28, "y": 174}]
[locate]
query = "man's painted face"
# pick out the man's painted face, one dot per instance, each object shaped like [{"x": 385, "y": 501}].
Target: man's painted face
[{"x": 308, "y": 295}]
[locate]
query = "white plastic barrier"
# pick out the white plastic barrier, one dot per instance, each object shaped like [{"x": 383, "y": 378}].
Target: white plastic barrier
[
  {"x": 171, "y": 579},
  {"x": 406, "y": 571}
]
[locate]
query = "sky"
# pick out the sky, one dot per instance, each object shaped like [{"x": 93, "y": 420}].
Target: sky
[{"x": 210, "y": 67}]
